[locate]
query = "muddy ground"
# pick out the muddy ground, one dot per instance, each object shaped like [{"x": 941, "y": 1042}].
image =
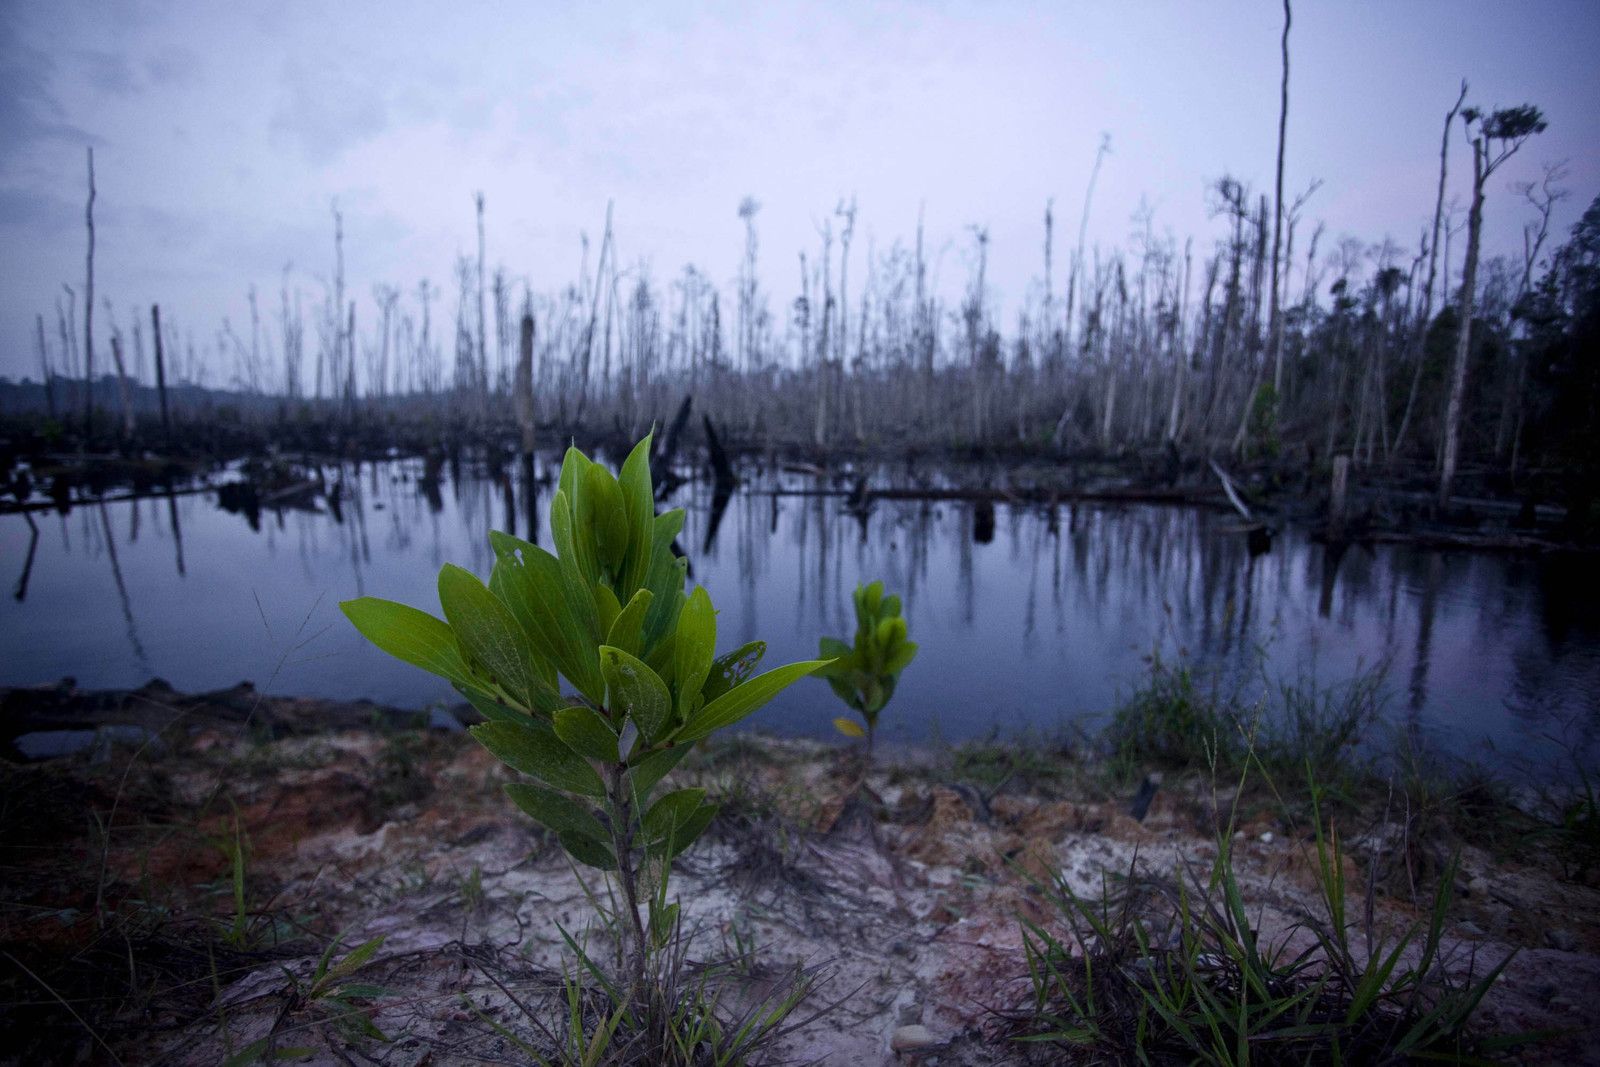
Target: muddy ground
[{"x": 164, "y": 895}]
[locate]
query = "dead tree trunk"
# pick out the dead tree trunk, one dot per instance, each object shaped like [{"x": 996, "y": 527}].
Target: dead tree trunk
[
  {"x": 1511, "y": 127},
  {"x": 122, "y": 386},
  {"x": 161, "y": 371},
  {"x": 88, "y": 314},
  {"x": 523, "y": 394},
  {"x": 44, "y": 370},
  {"x": 1419, "y": 331},
  {"x": 1274, "y": 326}
]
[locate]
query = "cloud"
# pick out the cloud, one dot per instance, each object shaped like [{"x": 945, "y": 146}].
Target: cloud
[
  {"x": 29, "y": 110},
  {"x": 110, "y": 73},
  {"x": 325, "y": 112},
  {"x": 172, "y": 65},
  {"x": 37, "y": 214}
]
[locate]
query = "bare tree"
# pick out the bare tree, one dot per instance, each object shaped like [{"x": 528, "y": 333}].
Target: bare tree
[
  {"x": 1420, "y": 326},
  {"x": 44, "y": 370},
  {"x": 1499, "y": 134},
  {"x": 88, "y": 313},
  {"x": 1274, "y": 326}
]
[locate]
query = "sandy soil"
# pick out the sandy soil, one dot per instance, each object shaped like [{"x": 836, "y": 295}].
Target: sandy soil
[{"x": 903, "y": 887}]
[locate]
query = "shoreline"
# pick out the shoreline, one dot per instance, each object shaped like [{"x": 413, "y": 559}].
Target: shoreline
[{"x": 909, "y": 873}]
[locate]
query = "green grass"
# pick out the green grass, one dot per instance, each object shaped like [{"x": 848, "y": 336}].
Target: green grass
[{"x": 1163, "y": 970}]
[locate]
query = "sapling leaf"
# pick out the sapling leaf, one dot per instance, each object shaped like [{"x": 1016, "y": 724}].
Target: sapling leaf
[
  {"x": 694, "y": 650},
  {"x": 664, "y": 578},
  {"x": 577, "y": 591},
  {"x": 556, "y": 811},
  {"x": 684, "y": 833},
  {"x": 627, "y": 632},
  {"x": 742, "y": 700},
  {"x": 732, "y": 668},
  {"x": 649, "y": 770},
  {"x": 634, "y": 690},
  {"x": 849, "y": 727},
  {"x": 588, "y": 851},
  {"x": 489, "y": 707},
  {"x": 534, "y": 749},
  {"x": 586, "y": 733},
  {"x": 531, "y": 583},
  {"x": 671, "y": 810},
  {"x": 602, "y": 513},
  {"x": 606, "y": 607},
  {"x": 638, "y": 499},
  {"x": 411, "y": 635},
  {"x": 489, "y": 634}
]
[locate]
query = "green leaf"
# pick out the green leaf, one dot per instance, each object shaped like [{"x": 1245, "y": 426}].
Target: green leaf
[
  {"x": 673, "y": 822},
  {"x": 663, "y": 923},
  {"x": 633, "y": 689},
  {"x": 684, "y": 833},
  {"x": 672, "y": 810},
  {"x": 530, "y": 582},
  {"x": 410, "y": 635},
  {"x": 601, "y": 513},
  {"x": 740, "y": 701},
  {"x": 900, "y": 658},
  {"x": 695, "y": 648},
  {"x": 555, "y": 810},
  {"x": 586, "y": 733},
  {"x": 534, "y": 749},
  {"x": 578, "y": 546},
  {"x": 638, "y": 500},
  {"x": 627, "y": 631},
  {"x": 664, "y": 578},
  {"x": 576, "y": 585},
  {"x": 649, "y": 770},
  {"x": 733, "y": 668},
  {"x": 842, "y": 655},
  {"x": 356, "y": 959},
  {"x": 606, "y": 607},
  {"x": 489, "y": 634},
  {"x": 662, "y": 658},
  {"x": 490, "y": 707},
  {"x": 588, "y": 851},
  {"x": 849, "y": 727}
]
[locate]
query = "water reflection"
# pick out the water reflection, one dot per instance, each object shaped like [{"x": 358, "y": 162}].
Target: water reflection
[{"x": 1029, "y": 616}]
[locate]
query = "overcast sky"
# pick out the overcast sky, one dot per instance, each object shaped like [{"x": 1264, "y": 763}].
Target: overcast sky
[{"x": 223, "y": 132}]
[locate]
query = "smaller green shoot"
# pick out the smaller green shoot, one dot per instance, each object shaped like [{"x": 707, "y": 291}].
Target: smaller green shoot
[
  {"x": 330, "y": 992},
  {"x": 864, "y": 677}
]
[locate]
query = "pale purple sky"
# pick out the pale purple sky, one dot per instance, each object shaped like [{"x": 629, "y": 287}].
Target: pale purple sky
[{"x": 222, "y": 133}]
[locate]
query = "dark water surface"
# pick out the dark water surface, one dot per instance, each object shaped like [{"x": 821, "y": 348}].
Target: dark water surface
[{"x": 1029, "y": 618}]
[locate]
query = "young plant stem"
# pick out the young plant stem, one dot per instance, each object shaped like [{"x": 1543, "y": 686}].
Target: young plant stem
[{"x": 622, "y": 828}]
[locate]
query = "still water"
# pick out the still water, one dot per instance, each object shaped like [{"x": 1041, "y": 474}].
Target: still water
[{"x": 1029, "y": 618}]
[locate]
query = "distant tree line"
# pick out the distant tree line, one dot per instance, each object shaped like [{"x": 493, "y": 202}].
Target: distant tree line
[{"x": 1270, "y": 343}]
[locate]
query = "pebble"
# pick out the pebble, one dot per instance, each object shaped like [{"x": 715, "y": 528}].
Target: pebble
[
  {"x": 1266, "y": 838},
  {"x": 912, "y": 1038},
  {"x": 1478, "y": 887}
]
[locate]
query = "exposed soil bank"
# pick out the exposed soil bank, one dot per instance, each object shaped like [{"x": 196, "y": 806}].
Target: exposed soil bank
[{"x": 162, "y": 889}]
